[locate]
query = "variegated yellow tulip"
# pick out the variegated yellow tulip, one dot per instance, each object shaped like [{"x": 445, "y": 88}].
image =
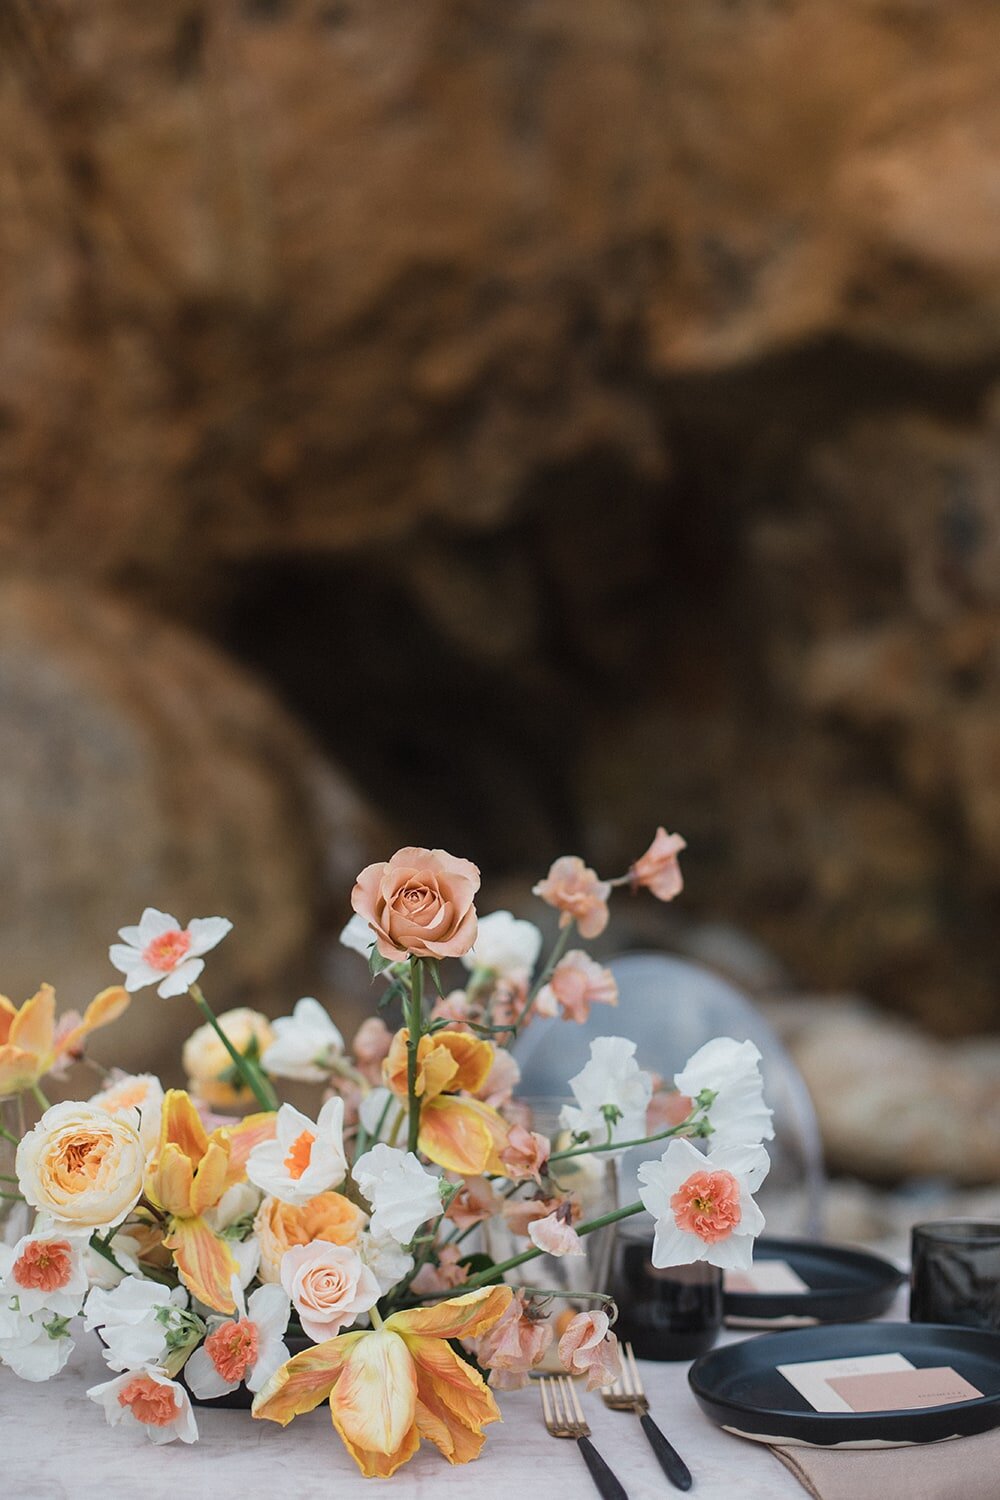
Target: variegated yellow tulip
[
  {"x": 395, "y": 1384},
  {"x": 31, "y": 1042},
  {"x": 187, "y": 1174},
  {"x": 457, "y": 1132}
]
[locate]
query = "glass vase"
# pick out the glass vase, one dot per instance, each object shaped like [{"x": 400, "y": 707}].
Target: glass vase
[{"x": 14, "y": 1212}]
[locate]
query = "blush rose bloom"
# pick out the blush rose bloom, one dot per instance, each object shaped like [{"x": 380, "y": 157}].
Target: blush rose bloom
[
  {"x": 576, "y": 891},
  {"x": 589, "y": 1347},
  {"x": 329, "y": 1286},
  {"x": 419, "y": 904},
  {"x": 82, "y": 1165},
  {"x": 658, "y": 869}
]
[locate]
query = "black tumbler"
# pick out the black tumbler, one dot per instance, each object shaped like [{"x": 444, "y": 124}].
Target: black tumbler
[
  {"x": 956, "y": 1273},
  {"x": 672, "y": 1314}
]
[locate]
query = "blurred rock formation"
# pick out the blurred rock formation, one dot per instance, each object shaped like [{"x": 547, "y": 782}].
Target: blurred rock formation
[{"x": 580, "y": 413}]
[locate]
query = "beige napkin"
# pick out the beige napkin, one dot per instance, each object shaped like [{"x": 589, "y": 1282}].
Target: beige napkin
[{"x": 963, "y": 1469}]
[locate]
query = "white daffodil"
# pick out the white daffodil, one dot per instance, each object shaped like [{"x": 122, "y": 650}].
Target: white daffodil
[
  {"x": 612, "y": 1091},
  {"x": 246, "y": 1348},
  {"x": 45, "y": 1270},
  {"x": 160, "y": 951},
  {"x": 730, "y": 1072},
  {"x": 401, "y": 1193},
  {"x": 358, "y": 936},
  {"x": 142, "y": 1323},
  {"x": 306, "y": 1044},
  {"x": 506, "y": 945},
  {"x": 703, "y": 1205},
  {"x": 35, "y": 1345},
  {"x": 151, "y": 1400},
  {"x": 305, "y": 1158}
]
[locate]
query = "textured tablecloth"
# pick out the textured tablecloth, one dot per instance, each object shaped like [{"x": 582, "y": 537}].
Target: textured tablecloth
[{"x": 57, "y": 1446}]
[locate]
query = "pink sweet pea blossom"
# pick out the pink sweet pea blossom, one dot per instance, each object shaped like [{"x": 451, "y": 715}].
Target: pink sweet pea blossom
[
  {"x": 577, "y": 983},
  {"x": 442, "y": 1277},
  {"x": 515, "y": 1344},
  {"x": 658, "y": 869},
  {"x": 555, "y": 1233},
  {"x": 589, "y": 1347},
  {"x": 525, "y": 1154},
  {"x": 474, "y": 1202},
  {"x": 576, "y": 891}
]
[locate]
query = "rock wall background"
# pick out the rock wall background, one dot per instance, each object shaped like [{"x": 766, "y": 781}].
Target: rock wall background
[{"x": 532, "y": 422}]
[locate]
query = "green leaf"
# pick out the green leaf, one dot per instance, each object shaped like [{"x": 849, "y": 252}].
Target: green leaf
[{"x": 377, "y": 964}]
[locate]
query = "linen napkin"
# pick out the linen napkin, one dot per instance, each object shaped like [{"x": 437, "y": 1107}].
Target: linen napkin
[{"x": 961, "y": 1469}]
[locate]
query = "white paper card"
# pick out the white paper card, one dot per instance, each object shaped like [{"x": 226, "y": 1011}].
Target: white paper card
[
  {"x": 811, "y": 1377},
  {"x": 765, "y": 1276}
]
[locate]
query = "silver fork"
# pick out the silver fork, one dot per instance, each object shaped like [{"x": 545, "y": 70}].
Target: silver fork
[
  {"x": 564, "y": 1419},
  {"x": 627, "y": 1394}
]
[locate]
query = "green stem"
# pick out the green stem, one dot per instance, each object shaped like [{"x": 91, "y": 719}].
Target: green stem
[
  {"x": 645, "y": 1140},
  {"x": 483, "y": 1278},
  {"x": 14, "y": 1197},
  {"x": 414, "y": 1023},
  {"x": 6, "y": 1177},
  {"x": 40, "y": 1098},
  {"x": 8, "y": 1136},
  {"x": 254, "y": 1079}
]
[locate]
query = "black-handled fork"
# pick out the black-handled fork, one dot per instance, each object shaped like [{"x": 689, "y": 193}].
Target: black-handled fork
[
  {"x": 564, "y": 1419},
  {"x": 627, "y": 1394}
]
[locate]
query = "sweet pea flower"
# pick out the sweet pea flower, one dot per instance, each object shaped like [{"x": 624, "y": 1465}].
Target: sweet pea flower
[
  {"x": 370, "y": 1047},
  {"x": 703, "y": 1204},
  {"x": 444, "y": 1277},
  {"x": 358, "y": 936},
  {"x": 35, "y": 1345},
  {"x": 454, "y": 1007},
  {"x": 245, "y": 1349},
  {"x": 588, "y": 1347},
  {"x": 520, "y": 1213},
  {"x": 612, "y": 1091},
  {"x": 419, "y": 904},
  {"x": 305, "y": 1158},
  {"x": 385, "y": 1258},
  {"x": 525, "y": 1154},
  {"x": 307, "y": 1044},
  {"x": 141, "y": 1322},
  {"x": 575, "y": 891},
  {"x": 730, "y": 1071},
  {"x": 401, "y": 1193},
  {"x": 46, "y": 1271},
  {"x": 501, "y": 1081},
  {"x": 555, "y": 1233},
  {"x": 394, "y": 1384},
  {"x": 577, "y": 983},
  {"x": 151, "y": 1400},
  {"x": 160, "y": 951},
  {"x": 142, "y": 1092},
  {"x": 516, "y": 1344},
  {"x": 329, "y": 1285},
  {"x": 658, "y": 869},
  {"x": 506, "y": 945},
  {"x": 474, "y": 1202}
]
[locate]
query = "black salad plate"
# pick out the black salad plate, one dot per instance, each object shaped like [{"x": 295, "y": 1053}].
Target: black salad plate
[
  {"x": 739, "y": 1387},
  {"x": 844, "y": 1286}
]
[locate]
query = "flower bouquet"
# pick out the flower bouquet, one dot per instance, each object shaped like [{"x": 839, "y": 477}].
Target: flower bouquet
[{"x": 329, "y": 1253}]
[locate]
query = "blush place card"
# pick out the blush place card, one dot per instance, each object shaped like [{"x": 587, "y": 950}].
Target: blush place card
[
  {"x": 765, "y": 1276},
  {"x": 812, "y": 1378},
  {"x": 901, "y": 1390}
]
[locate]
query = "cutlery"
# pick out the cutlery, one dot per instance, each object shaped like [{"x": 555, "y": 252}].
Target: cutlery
[
  {"x": 627, "y": 1394},
  {"x": 564, "y": 1419}
]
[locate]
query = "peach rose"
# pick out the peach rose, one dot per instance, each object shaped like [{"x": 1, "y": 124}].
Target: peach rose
[
  {"x": 278, "y": 1226},
  {"x": 515, "y": 1344},
  {"x": 577, "y": 983},
  {"x": 588, "y": 1347},
  {"x": 525, "y": 1154},
  {"x": 419, "y": 904},
  {"x": 329, "y": 1285},
  {"x": 575, "y": 890},
  {"x": 82, "y": 1165},
  {"x": 658, "y": 869},
  {"x": 208, "y": 1065}
]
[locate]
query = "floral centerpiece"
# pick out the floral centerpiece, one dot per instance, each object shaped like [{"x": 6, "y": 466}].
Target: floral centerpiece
[{"x": 204, "y": 1248}]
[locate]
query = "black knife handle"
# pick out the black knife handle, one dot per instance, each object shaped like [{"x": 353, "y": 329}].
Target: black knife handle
[
  {"x": 671, "y": 1462},
  {"x": 602, "y": 1476}
]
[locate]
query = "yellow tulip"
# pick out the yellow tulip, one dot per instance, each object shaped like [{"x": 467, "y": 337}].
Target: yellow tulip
[
  {"x": 457, "y": 1132},
  {"x": 390, "y": 1387},
  {"x": 188, "y": 1173},
  {"x": 31, "y": 1043}
]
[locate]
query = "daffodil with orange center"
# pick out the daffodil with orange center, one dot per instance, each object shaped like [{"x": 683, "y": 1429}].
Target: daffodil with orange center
[
  {"x": 392, "y": 1385},
  {"x": 457, "y": 1132},
  {"x": 32, "y": 1042},
  {"x": 187, "y": 1174}
]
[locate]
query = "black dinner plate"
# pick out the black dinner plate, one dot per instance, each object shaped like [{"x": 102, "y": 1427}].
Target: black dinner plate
[
  {"x": 845, "y": 1286},
  {"x": 739, "y": 1387}
]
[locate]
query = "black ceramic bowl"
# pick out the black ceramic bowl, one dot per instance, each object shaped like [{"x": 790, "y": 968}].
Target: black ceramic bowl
[{"x": 844, "y": 1286}]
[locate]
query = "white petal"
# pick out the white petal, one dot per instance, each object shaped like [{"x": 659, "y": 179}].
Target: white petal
[
  {"x": 269, "y": 1308},
  {"x": 203, "y": 1379},
  {"x": 124, "y": 958},
  {"x": 153, "y": 924},
  {"x": 181, "y": 980},
  {"x": 206, "y": 933}
]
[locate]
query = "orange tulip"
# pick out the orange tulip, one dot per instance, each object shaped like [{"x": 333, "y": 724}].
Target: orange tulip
[
  {"x": 457, "y": 1132},
  {"x": 188, "y": 1173},
  {"x": 402, "y": 1381},
  {"x": 31, "y": 1043}
]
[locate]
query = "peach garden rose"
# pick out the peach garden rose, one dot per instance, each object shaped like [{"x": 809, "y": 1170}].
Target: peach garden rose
[
  {"x": 82, "y": 1165},
  {"x": 329, "y": 1285},
  {"x": 419, "y": 904},
  {"x": 278, "y": 1226}
]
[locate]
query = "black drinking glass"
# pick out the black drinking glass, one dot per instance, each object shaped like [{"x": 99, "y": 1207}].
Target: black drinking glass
[
  {"x": 956, "y": 1273},
  {"x": 671, "y": 1314}
]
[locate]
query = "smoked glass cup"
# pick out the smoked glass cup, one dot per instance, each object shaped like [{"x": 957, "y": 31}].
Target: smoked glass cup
[
  {"x": 956, "y": 1273},
  {"x": 674, "y": 1314}
]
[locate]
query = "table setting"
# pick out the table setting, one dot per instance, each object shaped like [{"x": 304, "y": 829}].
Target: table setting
[{"x": 417, "y": 1265}]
